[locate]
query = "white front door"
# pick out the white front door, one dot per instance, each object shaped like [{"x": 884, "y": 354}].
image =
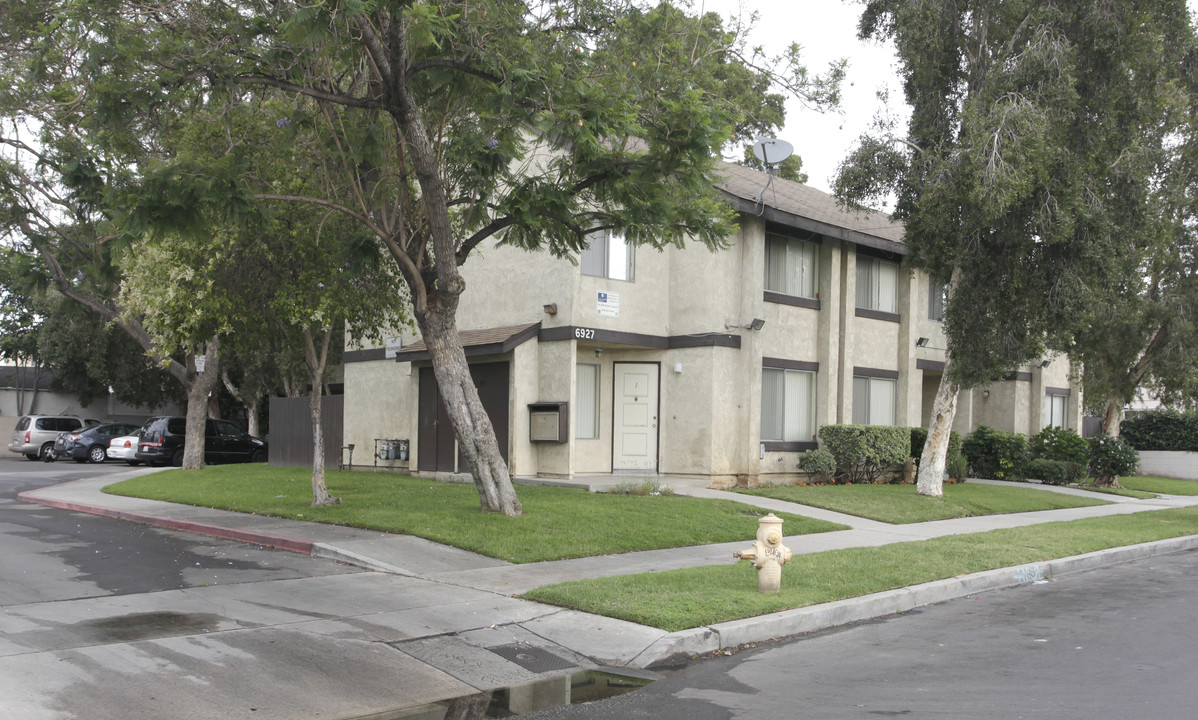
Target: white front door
[{"x": 635, "y": 417}]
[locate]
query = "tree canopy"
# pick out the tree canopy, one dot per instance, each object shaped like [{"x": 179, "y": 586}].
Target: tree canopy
[{"x": 1034, "y": 134}]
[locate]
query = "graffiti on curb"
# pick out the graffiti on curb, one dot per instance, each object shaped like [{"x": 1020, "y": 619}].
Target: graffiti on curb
[{"x": 1031, "y": 573}]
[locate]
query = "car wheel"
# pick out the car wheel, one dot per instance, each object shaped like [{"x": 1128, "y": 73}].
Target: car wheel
[
  {"x": 97, "y": 454},
  {"x": 47, "y": 452},
  {"x": 133, "y": 463},
  {"x": 177, "y": 458},
  {"x": 258, "y": 455}
]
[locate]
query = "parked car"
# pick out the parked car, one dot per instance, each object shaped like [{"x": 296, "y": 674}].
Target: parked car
[
  {"x": 161, "y": 442},
  {"x": 34, "y": 435},
  {"x": 89, "y": 444},
  {"x": 124, "y": 448}
]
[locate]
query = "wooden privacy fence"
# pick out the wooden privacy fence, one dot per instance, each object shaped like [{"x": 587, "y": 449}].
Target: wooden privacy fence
[{"x": 291, "y": 430}]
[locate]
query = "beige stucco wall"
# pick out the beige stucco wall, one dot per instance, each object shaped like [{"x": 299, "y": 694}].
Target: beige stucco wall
[{"x": 380, "y": 402}]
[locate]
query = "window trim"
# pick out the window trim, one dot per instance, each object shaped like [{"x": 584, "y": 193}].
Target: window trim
[{"x": 870, "y": 376}]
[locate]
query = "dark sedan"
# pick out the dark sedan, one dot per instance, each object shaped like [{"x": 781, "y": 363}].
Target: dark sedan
[{"x": 91, "y": 444}]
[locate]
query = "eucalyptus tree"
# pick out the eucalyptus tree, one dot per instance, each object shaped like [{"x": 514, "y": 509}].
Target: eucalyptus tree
[
  {"x": 1142, "y": 333},
  {"x": 449, "y": 124},
  {"x": 1035, "y": 130}
]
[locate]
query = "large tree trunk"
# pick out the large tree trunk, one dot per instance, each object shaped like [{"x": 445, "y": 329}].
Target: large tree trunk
[
  {"x": 932, "y": 462},
  {"x": 472, "y": 426},
  {"x": 200, "y": 386},
  {"x": 315, "y": 359},
  {"x": 1112, "y": 419}
]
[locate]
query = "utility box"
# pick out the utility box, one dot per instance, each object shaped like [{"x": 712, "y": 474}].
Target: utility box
[{"x": 549, "y": 422}]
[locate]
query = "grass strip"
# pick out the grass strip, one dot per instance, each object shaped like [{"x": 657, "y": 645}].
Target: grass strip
[
  {"x": 557, "y": 523},
  {"x": 900, "y": 504},
  {"x": 1159, "y": 485},
  {"x": 680, "y": 599}
]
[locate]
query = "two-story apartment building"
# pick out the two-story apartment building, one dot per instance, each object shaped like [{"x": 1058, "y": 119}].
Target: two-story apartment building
[{"x": 720, "y": 364}]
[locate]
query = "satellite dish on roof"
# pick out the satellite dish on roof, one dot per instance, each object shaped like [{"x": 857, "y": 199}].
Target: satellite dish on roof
[{"x": 772, "y": 151}]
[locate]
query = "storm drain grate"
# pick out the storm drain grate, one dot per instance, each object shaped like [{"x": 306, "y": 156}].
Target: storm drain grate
[{"x": 531, "y": 658}]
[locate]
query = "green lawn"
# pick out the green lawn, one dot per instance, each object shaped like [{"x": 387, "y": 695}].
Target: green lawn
[
  {"x": 899, "y": 504},
  {"x": 1164, "y": 486},
  {"x": 680, "y": 599},
  {"x": 557, "y": 523}
]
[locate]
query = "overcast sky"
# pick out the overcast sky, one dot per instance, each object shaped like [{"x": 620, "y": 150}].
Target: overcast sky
[{"x": 826, "y": 30}]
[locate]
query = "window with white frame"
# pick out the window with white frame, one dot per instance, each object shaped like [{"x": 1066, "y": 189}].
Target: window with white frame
[
  {"x": 791, "y": 266},
  {"x": 787, "y": 405},
  {"x": 1056, "y": 409},
  {"x": 877, "y": 285},
  {"x": 937, "y": 294},
  {"x": 873, "y": 400},
  {"x": 586, "y": 402},
  {"x": 607, "y": 255}
]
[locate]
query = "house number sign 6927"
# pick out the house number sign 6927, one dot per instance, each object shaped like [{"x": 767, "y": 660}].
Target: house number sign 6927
[{"x": 584, "y": 333}]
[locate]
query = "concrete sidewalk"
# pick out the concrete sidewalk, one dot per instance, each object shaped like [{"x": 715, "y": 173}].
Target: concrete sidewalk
[{"x": 450, "y": 613}]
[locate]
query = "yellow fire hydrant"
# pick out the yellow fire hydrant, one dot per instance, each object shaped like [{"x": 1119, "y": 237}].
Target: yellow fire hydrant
[{"x": 768, "y": 554}]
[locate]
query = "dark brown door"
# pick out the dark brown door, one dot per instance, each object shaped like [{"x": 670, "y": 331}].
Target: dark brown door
[{"x": 436, "y": 440}]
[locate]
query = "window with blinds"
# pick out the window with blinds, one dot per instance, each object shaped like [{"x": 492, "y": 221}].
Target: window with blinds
[
  {"x": 877, "y": 285},
  {"x": 791, "y": 266},
  {"x": 787, "y": 405}
]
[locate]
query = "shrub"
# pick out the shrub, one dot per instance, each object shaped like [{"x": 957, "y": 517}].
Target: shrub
[
  {"x": 1161, "y": 430},
  {"x": 864, "y": 453},
  {"x": 919, "y": 436},
  {"x": 1110, "y": 458},
  {"x": 1054, "y": 443},
  {"x": 1051, "y": 472},
  {"x": 820, "y": 463},
  {"x": 996, "y": 454},
  {"x": 957, "y": 467}
]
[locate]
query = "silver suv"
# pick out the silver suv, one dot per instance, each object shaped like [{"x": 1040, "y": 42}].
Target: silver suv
[{"x": 34, "y": 435}]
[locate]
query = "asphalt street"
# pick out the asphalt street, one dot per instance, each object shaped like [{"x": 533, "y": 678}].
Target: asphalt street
[{"x": 1108, "y": 644}]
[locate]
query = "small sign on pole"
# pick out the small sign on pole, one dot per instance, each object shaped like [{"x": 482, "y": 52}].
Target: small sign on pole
[{"x": 201, "y": 361}]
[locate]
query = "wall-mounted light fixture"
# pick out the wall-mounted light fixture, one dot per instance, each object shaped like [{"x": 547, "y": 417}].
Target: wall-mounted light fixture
[
  {"x": 598, "y": 352},
  {"x": 1045, "y": 363},
  {"x": 757, "y": 324},
  {"x": 922, "y": 342},
  {"x": 985, "y": 394},
  {"x": 551, "y": 308}
]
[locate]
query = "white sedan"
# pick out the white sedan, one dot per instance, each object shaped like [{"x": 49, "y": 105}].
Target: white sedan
[{"x": 124, "y": 448}]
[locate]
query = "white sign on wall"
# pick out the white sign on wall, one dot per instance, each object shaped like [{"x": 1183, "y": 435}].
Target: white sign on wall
[
  {"x": 608, "y": 304},
  {"x": 391, "y": 346}
]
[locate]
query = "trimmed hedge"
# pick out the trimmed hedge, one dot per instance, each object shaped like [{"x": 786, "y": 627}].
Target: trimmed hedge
[
  {"x": 1161, "y": 430},
  {"x": 1110, "y": 458},
  {"x": 866, "y": 452}
]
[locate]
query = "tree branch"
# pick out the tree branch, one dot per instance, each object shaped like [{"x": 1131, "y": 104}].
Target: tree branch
[{"x": 335, "y": 98}]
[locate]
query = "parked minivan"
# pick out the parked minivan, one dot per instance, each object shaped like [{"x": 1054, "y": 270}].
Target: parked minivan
[
  {"x": 34, "y": 435},
  {"x": 161, "y": 440}
]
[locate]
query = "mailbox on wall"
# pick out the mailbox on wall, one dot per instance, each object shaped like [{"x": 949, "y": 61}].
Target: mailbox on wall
[{"x": 548, "y": 422}]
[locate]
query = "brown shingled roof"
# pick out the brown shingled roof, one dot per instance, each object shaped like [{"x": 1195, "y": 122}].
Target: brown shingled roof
[
  {"x": 804, "y": 207},
  {"x": 496, "y": 340}
]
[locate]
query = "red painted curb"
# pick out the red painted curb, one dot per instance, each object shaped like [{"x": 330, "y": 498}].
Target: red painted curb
[{"x": 246, "y": 536}]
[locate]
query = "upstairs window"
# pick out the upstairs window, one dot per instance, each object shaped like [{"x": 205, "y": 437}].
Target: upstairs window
[
  {"x": 877, "y": 285},
  {"x": 937, "y": 294},
  {"x": 791, "y": 266},
  {"x": 607, "y": 255}
]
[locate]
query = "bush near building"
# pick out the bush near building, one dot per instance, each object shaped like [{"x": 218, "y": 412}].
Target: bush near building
[
  {"x": 865, "y": 453},
  {"x": 996, "y": 454}
]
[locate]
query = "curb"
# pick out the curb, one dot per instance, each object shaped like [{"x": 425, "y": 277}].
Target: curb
[
  {"x": 247, "y": 536},
  {"x": 684, "y": 645}
]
